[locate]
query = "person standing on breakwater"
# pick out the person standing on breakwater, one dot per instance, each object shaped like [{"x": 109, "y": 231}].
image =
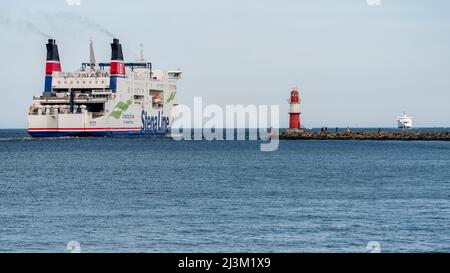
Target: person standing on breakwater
[
  {"x": 336, "y": 129},
  {"x": 349, "y": 130}
]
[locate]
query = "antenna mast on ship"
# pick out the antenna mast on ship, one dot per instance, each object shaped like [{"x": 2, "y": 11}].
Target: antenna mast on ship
[
  {"x": 92, "y": 60},
  {"x": 141, "y": 54}
]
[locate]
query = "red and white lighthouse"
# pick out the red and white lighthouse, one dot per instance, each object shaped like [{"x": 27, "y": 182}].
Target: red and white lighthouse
[{"x": 294, "y": 111}]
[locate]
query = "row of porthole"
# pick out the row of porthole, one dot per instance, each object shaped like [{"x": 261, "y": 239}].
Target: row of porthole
[
  {"x": 139, "y": 91},
  {"x": 78, "y": 82}
]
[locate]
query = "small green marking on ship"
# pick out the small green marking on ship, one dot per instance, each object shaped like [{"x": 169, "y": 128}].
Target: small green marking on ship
[
  {"x": 171, "y": 97},
  {"x": 120, "y": 108}
]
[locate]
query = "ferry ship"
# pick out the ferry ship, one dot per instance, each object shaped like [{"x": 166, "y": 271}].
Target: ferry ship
[
  {"x": 104, "y": 99},
  {"x": 404, "y": 122}
]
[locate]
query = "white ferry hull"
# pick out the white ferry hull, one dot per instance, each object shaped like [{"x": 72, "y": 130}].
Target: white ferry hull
[{"x": 83, "y": 125}]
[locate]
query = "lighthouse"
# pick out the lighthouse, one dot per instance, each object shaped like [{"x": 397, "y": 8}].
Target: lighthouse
[{"x": 294, "y": 111}]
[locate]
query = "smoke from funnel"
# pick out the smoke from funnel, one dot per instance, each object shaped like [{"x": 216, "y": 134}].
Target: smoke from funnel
[
  {"x": 24, "y": 25},
  {"x": 5, "y": 21},
  {"x": 30, "y": 26},
  {"x": 84, "y": 21}
]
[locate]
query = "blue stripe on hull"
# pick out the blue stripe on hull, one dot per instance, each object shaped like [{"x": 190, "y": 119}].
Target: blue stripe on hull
[{"x": 159, "y": 133}]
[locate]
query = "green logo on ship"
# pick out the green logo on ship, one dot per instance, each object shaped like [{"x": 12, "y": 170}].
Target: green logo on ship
[
  {"x": 171, "y": 97},
  {"x": 120, "y": 108}
]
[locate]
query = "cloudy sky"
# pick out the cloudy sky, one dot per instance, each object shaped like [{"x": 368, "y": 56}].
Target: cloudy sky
[{"x": 355, "y": 64}]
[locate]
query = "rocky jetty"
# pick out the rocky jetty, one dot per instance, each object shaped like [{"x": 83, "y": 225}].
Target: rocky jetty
[{"x": 406, "y": 136}]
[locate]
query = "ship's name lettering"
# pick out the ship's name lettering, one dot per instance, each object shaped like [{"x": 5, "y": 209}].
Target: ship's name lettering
[{"x": 152, "y": 123}]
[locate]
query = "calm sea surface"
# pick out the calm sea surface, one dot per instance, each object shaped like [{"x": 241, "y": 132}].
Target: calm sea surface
[{"x": 150, "y": 195}]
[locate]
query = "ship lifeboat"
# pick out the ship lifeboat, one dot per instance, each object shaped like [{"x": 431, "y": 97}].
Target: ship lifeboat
[{"x": 157, "y": 101}]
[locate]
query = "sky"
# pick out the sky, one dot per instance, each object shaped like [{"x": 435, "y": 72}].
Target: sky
[{"x": 355, "y": 64}]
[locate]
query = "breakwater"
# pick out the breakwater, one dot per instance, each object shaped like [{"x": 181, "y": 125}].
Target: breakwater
[{"x": 404, "y": 136}]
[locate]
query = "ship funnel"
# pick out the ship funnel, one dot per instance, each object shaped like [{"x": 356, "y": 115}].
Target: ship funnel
[
  {"x": 117, "y": 65},
  {"x": 52, "y": 64}
]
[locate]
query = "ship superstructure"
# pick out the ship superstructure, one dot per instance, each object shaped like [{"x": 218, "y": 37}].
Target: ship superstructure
[{"x": 105, "y": 99}]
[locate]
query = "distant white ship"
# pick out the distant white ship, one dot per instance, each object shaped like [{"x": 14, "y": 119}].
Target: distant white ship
[{"x": 404, "y": 122}]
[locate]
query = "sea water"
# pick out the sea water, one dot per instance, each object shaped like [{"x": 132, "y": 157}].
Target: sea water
[{"x": 162, "y": 195}]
